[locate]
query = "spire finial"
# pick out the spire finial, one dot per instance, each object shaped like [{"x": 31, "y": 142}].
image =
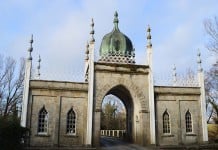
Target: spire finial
[
  {"x": 87, "y": 51},
  {"x": 39, "y": 66},
  {"x": 174, "y": 75},
  {"x": 92, "y": 32},
  {"x": 31, "y": 48},
  {"x": 149, "y": 44},
  {"x": 199, "y": 61},
  {"x": 116, "y": 21}
]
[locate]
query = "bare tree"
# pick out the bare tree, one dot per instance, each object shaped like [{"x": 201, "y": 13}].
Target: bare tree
[
  {"x": 211, "y": 81},
  {"x": 113, "y": 114},
  {"x": 211, "y": 85},
  {"x": 211, "y": 28},
  {"x": 11, "y": 84}
]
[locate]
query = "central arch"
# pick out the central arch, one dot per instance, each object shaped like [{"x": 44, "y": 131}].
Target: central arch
[
  {"x": 124, "y": 95},
  {"x": 133, "y": 95}
]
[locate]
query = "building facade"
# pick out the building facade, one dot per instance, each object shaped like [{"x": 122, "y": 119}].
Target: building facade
[{"x": 60, "y": 113}]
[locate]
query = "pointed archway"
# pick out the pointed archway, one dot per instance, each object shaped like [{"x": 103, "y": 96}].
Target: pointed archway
[{"x": 124, "y": 95}]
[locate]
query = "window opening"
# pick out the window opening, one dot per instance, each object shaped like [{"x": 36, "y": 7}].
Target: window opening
[
  {"x": 166, "y": 122},
  {"x": 43, "y": 121},
  {"x": 188, "y": 121},
  {"x": 71, "y": 122}
]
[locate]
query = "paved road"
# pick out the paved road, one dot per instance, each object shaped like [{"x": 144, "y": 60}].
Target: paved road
[{"x": 108, "y": 143}]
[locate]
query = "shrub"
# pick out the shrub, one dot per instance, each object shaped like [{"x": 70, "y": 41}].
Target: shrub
[
  {"x": 11, "y": 133},
  {"x": 213, "y": 132}
]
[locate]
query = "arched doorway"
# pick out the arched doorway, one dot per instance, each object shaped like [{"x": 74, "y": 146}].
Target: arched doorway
[
  {"x": 130, "y": 83},
  {"x": 113, "y": 114},
  {"x": 120, "y": 94}
]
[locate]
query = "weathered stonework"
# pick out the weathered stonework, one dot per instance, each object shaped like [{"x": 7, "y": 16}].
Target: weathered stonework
[
  {"x": 177, "y": 101},
  {"x": 58, "y": 98},
  {"x": 117, "y": 75},
  {"x": 130, "y": 84}
]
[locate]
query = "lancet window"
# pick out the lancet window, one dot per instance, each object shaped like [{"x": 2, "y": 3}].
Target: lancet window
[
  {"x": 188, "y": 121},
  {"x": 43, "y": 121},
  {"x": 71, "y": 122},
  {"x": 166, "y": 122}
]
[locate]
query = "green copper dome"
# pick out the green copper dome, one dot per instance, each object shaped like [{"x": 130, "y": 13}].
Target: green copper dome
[{"x": 116, "y": 43}]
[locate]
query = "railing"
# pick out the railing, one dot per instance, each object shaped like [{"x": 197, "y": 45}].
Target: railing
[
  {"x": 180, "y": 80},
  {"x": 113, "y": 133},
  {"x": 76, "y": 75}
]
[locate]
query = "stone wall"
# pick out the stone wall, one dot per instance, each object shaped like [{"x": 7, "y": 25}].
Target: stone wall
[
  {"x": 130, "y": 84},
  {"x": 177, "y": 101},
  {"x": 57, "y": 98}
]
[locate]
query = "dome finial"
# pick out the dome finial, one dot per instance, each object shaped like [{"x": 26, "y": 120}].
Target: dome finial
[
  {"x": 92, "y": 32},
  {"x": 149, "y": 44},
  {"x": 199, "y": 61},
  {"x": 87, "y": 51},
  {"x": 38, "y": 67},
  {"x": 174, "y": 75},
  {"x": 116, "y": 21},
  {"x": 31, "y": 48}
]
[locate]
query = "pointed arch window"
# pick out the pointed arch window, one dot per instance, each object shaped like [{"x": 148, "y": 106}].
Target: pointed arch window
[
  {"x": 188, "y": 122},
  {"x": 71, "y": 122},
  {"x": 166, "y": 122},
  {"x": 43, "y": 120}
]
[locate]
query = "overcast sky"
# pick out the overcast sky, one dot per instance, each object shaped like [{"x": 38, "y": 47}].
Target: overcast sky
[{"x": 61, "y": 29}]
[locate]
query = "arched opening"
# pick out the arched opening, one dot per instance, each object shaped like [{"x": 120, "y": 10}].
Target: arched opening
[
  {"x": 117, "y": 114},
  {"x": 113, "y": 116}
]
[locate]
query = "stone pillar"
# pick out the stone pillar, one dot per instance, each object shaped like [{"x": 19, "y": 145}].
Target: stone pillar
[
  {"x": 138, "y": 130},
  {"x": 26, "y": 92},
  {"x": 203, "y": 106},
  {"x": 96, "y": 127},
  {"x": 27, "y": 76},
  {"x": 202, "y": 99},
  {"x": 90, "y": 87},
  {"x": 90, "y": 95},
  {"x": 143, "y": 125},
  {"x": 151, "y": 88}
]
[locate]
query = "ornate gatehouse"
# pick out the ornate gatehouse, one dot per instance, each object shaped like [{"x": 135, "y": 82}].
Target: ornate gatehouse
[{"x": 64, "y": 113}]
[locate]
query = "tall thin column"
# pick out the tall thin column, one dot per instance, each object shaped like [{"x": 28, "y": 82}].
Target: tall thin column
[
  {"x": 90, "y": 86},
  {"x": 28, "y": 67},
  {"x": 151, "y": 87},
  {"x": 202, "y": 99}
]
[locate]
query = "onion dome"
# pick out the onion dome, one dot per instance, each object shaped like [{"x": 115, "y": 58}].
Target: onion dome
[{"x": 116, "y": 44}]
